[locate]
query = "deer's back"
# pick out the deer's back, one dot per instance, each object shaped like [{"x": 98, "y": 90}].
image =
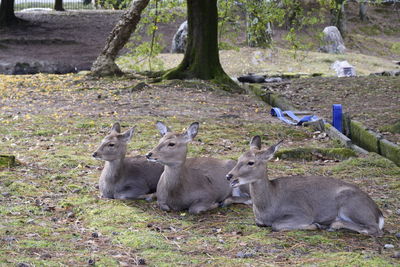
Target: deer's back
[
  {"x": 202, "y": 179},
  {"x": 321, "y": 195},
  {"x": 137, "y": 177}
]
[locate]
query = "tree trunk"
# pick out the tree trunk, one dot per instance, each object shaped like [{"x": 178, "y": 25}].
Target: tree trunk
[
  {"x": 339, "y": 16},
  {"x": 363, "y": 11},
  {"x": 119, "y": 36},
  {"x": 201, "y": 59},
  {"x": 58, "y": 5},
  {"x": 7, "y": 16}
]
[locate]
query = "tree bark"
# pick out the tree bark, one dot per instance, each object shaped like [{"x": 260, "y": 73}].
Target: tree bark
[
  {"x": 201, "y": 59},
  {"x": 7, "y": 15},
  {"x": 119, "y": 36},
  {"x": 339, "y": 16},
  {"x": 363, "y": 11},
  {"x": 58, "y": 5}
]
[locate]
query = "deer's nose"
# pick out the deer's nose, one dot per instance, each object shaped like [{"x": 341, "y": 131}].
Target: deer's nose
[
  {"x": 94, "y": 154},
  {"x": 148, "y": 155},
  {"x": 229, "y": 176}
]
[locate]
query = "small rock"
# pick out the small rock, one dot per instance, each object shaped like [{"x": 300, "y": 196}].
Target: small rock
[
  {"x": 240, "y": 254},
  {"x": 95, "y": 235},
  {"x": 45, "y": 256},
  {"x": 6, "y": 194},
  {"x": 9, "y": 239},
  {"x": 244, "y": 255},
  {"x": 396, "y": 255},
  {"x": 397, "y": 235},
  {"x": 141, "y": 262},
  {"x": 70, "y": 215},
  {"x": 398, "y": 212},
  {"x": 388, "y": 246}
]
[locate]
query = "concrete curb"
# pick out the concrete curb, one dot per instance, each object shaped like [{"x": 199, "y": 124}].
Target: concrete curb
[{"x": 358, "y": 137}]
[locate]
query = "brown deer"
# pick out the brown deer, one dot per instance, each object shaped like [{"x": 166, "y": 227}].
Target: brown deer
[
  {"x": 303, "y": 202},
  {"x": 125, "y": 177},
  {"x": 196, "y": 184}
]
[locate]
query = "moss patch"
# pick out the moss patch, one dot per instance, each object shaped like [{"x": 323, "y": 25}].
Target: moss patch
[
  {"x": 7, "y": 161},
  {"x": 363, "y": 137}
]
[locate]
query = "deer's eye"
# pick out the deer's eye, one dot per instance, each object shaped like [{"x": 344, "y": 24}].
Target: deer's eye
[
  {"x": 111, "y": 145},
  {"x": 251, "y": 163},
  {"x": 171, "y": 144}
]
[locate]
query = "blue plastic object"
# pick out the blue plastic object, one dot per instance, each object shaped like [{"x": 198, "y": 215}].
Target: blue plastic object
[
  {"x": 295, "y": 120},
  {"x": 337, "y": 115}
]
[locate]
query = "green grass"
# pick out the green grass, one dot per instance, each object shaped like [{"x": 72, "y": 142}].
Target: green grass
[{"x": 51, "y": 214}]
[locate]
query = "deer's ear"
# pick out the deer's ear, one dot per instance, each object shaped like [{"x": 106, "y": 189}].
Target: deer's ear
[
  {"x": 270, "y": 152},
  {"x": 127, "y": 136},
  {"x": 162, "y": 128},
  {"x": 191, "y": 131},
  {"x": 255, "y": 142},
  {"x": 116, "y": 128}
]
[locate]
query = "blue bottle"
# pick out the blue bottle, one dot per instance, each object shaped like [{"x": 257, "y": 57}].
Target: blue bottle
[{"x": 337, "y": 116}]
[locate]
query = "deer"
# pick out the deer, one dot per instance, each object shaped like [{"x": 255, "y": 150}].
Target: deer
[
  {"x": 303, "y": 202},
  {"x": 193, "y": 184},
  {"x": 125, "y": 177}
]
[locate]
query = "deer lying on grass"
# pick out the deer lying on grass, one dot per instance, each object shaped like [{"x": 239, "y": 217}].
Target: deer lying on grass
[
  {"x": 304, "y": 202},
  {"x": 125, "y": 177},
  {"x": 196, "y": 184}
]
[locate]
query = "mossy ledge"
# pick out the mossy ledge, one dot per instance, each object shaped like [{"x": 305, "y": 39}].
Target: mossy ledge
[
  {"x": 7, "y": 161},
  {"x": 309, "y": 153}
]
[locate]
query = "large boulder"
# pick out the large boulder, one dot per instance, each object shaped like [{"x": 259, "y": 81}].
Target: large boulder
[
  {"x": 180, "y": 39},
  {"x": 333, "y": 41}
]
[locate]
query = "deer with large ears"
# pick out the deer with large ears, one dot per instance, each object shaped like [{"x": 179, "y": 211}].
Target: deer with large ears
[
  {"x": 125, "y": 177},
  {"x": 196, "y": 184},
  {"x": 303, "y": 202}
]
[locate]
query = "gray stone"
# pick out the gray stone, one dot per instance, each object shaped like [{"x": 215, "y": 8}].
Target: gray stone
[
  {"x": 387, "y": 73},
  {"x": 333, "y": 41},
  {"x": 388, "y": 246},
  {"x": 244, "y": 255},
  {"x": 180, "y": 38},
  {"x": 32, "y": 67}
]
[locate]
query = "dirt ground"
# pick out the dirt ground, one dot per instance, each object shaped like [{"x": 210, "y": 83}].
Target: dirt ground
[{"x": 55, "y": 42}]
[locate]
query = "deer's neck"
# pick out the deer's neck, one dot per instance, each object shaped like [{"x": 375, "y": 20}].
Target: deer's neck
[
  {"x": 173, "y": 175},
  {"x": 262, "y": 192},
  {"x": 112, "y": 171}
]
